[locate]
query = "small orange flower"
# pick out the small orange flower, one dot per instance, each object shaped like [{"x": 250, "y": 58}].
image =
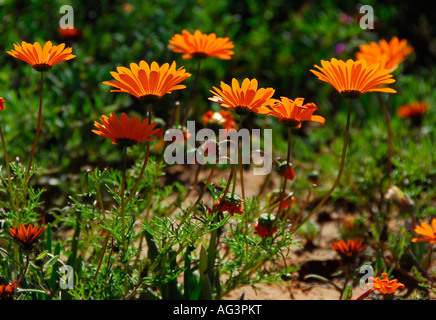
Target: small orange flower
[
  {"x": 148, "y": 82},
  {"x": 354, "y": 78},
  {"x": 70, "y": 33},
  {"x": 41, "y": 58},
  {"x": 384, "y": 285},
  {"x": 26, "y": 237},
  {"x": 6, "y": 291},
  {"x": 292, "y": 113},
  {"x": 201, "y": 46},
  {"x": 2, "y": 104},
  {"x": 413, "y": 110},
  {"x": 230, "y": 204},
  {"x": 242, "y": 99},
  {"x": 387, "y": 54},
  {"x": 286, "y": 171},
  {"x": 425, "y": 230},
  {"x": 349, "y": 249},
  {"x": 220, "y": 119},
  {"x": 264, "y": 226},
  {"x": 126, "y": 131}
]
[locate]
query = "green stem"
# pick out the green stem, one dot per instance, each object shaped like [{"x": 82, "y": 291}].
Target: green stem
[
  {"x": 123, "y": 217},
  {"x": 197, "y": 73},
  {"x": 288, "y": 160},
  {"x": 241, "y": 167},
  {"x": 8, "y": 170},
  {"x": 341, "y": 169},
  {"x": 141, "y": 174},
  {"x": 38, "y": 129}
]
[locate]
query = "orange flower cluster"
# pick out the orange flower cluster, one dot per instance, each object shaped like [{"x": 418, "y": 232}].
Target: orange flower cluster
[
  {"x": 349, "y": 249},
  {"x": 388, "y": 55},
  {"x": 201, "y": 46},
  {"x": 354, "y": 78},
  {"x": 148, "y": 82},
  {"x": 384, "y": 285},
  {"x": 413, "y": 110},
  {"x": 426, "y": 231},
  {"x": 7, "y": 290},
  {"x": 126, "y": 131},
  {"x": 41, "y": 58},
  {"x": 26, "y": 237},
  {"x": 242, "y": 99}
]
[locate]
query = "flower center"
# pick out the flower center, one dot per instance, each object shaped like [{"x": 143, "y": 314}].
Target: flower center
[
  {"x": 149, "y": 98},
  {"x": 42, "y": 67},
  {"x": 351, "y": 94},
  {"x": 125, "y": 142}
]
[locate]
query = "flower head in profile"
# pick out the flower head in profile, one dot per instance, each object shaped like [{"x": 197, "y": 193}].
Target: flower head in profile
[
  {"x": 348, "y": 250},
  {"x": 286, "y": 171},
  {"x": 200, "y": 45},
  {"x": 428, "y": 234},
  {"x": 354, "y": 78},
  {"x": 41, "y": 58},
  {"x": 230, "y": 204},
  {"x": 242, "y": 99},
  {"x": 264, "y": 227},
  {"x": 222, "y": 119},
  {"x": 384, "y": 285},
  {"x": 148, "y": 82},
  {"x": 387, "y": 54},
  {"x": 126, "y": 131},
  {"x": 292, "y": 113},
  {"x": 2, "y": 104},
  {"x": 26, "y": 237},
  {"x": 413, "y": 110},
  {"x": 7, "y": 290}
]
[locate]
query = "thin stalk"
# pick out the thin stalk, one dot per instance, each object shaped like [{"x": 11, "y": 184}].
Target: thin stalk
[
  {"x": 8, "y": 170},
  {"x": 201, "y": 194},
  {"x": 241, "y": 167},
  {"x": 288, "y": 160},
  {"x": 387, "y": 114},
  {"x": 38, "y": 129},
  {"x": 197, "y": 73},
  {"x": 123, "y": 217},
  {"x": 141, "y": 174},
  {"x": 341, "y": 169}
]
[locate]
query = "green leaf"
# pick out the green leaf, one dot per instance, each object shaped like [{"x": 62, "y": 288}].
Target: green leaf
[
  {"x": 206, "y": 291},
  {"x": 348, "y": 293}
]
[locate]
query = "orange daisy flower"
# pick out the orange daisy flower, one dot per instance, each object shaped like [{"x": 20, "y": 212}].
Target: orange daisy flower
[
  {"x": 292, "y": 113},
  {"x": 354, "y": 78},
  {"x": 201, "y": 46},
  {"x": 2, "y": 104},
  {"x": 148, "y": 82},
  {"x": 413, "y": 110},
  {"x": 388, "y": 54},
  {"x": 349, "y": 249},
  {"x": 286, "y": 171},
  {"x": 384, "y": 285},
  {"x": 41, "y": 58},
  {"x": 220, "y": 119},
  {"x": 7, "y": 290},
  {"x": 242, "y": 99},
  {"x": 26, "y": 236},
  {"x": 126, "y": 131},
  {"x": 425, "y": 230}
]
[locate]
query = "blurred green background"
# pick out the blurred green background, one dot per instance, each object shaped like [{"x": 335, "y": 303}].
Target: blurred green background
[{"x": 277, "y": 42}]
